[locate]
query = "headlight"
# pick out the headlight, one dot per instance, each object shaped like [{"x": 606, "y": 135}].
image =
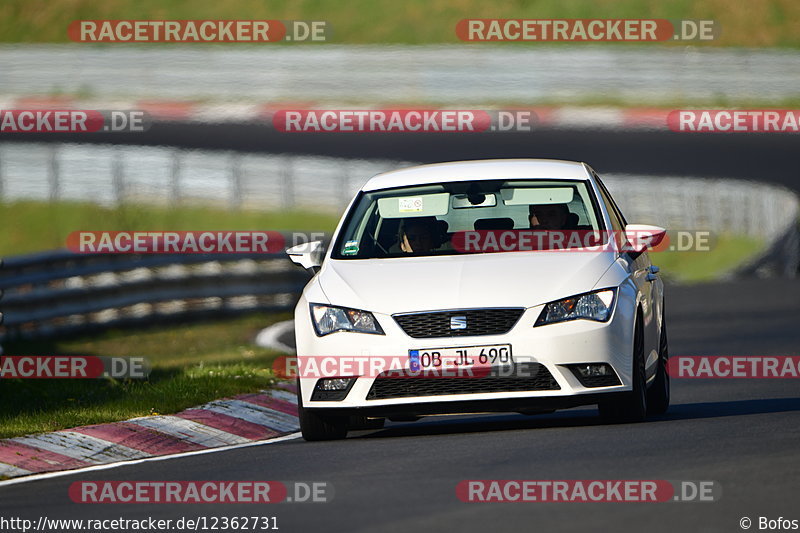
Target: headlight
[
  {"x": 329, "y": 319},
  {"x": 591, "y": 306}
]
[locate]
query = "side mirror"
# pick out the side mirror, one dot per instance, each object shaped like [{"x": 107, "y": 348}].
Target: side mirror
[
  {"x": 308, "y": 255},
  {"x": 643, "y": 236}
]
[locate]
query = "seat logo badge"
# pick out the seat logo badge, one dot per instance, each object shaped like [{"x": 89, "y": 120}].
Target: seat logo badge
[{"x": 458, "y": 322}]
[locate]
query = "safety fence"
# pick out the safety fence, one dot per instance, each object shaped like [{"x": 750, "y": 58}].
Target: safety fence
[{"x": 61, "y": 292}]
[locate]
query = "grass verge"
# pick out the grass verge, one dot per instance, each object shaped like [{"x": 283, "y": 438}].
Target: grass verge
[
  {"x": 31, "y": 226},
  {"x": 726, "y": 253},
  {"x": 755, "y": 23},
  {"x": 191, "y": 364},
  {"x": 35, "y": 226}
]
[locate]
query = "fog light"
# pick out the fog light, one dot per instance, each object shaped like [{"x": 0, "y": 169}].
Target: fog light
[
  {"x": 330, "y": 384},
  {"x": 589, "y": 371},
  {"x": 595, "y": 374},
  {"x": 332, "y": 389}
]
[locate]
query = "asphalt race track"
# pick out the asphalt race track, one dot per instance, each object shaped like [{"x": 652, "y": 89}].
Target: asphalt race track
[
  {"x": 763, "y": 157},
  {"x": 742, "y": 434}
]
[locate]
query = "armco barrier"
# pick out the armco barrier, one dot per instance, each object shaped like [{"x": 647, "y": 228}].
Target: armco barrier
[
  {"x": 61, "y": 292},
  {"x": 228, "y": 75},
  {"x": 781, "y": 259},
  {"x": 165, "y": 176},
  {"x": 64, "y": 292}
]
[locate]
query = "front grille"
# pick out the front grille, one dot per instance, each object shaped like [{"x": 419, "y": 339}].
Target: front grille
[
  {"x": 478, "y": 322},
  {"x": 529, "y": 377}
]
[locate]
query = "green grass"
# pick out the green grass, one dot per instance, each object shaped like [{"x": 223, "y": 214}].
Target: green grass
[
  {"x": 752, "y": 23},
  {"x": 34, "y": 226},
  {"x": 191, "y": 365},
  {"x": 726, "y": 253},
  {"x": 31, "y": 226}
]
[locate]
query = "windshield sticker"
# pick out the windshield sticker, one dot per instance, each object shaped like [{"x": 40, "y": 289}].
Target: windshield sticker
[
  {"x": 350, "y": 248},
  {"x": 412, "y": 204}
]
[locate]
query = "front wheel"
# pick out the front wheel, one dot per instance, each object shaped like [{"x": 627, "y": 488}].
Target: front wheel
[
  {"x": 630, "y": 406},
  {"x": 658, "y": 393},
  {"x": 317, "y": 426}
]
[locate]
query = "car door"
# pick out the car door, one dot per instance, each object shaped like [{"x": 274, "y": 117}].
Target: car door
[{"x": 648, "y": 284}]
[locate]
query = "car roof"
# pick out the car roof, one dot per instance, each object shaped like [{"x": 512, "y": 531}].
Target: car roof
[{"x": 486, "y": 169}]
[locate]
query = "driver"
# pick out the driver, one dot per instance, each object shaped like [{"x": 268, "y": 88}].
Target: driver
[
  {"x": 548, "y": 216},
  {"x": 418, "y": 235}
]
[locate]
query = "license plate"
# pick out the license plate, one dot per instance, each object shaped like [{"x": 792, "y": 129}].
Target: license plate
[{"x": 496, "y": 355}]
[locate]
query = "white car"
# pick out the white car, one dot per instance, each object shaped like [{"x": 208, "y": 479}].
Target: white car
[{"x": 480, "y": 286}]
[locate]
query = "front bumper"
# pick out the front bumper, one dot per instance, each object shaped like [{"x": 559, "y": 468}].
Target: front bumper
[{"x": 554, "y": 346}]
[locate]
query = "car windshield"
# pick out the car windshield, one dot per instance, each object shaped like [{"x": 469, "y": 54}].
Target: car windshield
[{"x": 467, "y": 217}]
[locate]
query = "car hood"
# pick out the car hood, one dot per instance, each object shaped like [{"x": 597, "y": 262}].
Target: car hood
[{"x": 513, "y": 279}]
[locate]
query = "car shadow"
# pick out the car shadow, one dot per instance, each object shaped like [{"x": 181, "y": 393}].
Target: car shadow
[{"x": 579, "y": 417}]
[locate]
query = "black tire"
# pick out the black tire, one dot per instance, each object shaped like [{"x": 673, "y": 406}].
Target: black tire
[
  {"x": 630, "y": 407},
  {"x": 315, "y": 426},
  {"x": 362, "y": 422},
  {"x": 658, "y": 393}
]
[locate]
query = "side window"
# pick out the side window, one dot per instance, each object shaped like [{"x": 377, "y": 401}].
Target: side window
[
  {"x": 617, "y": 223},
  {"x": 612, "y": 206}
]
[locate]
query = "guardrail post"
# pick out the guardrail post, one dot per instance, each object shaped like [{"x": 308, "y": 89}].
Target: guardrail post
[
  {"x": 1, "y": 174},
  {"x": 118, "y": 177},
  {"x": 53, "y": 175},
  {"x": 287, "y": 183},
  {"x": 236, "y": 181},
  {"x": 344, "y": 186},
  {"x": 175, "y": 178}
]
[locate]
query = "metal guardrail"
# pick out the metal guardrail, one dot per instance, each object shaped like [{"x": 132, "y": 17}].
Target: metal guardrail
[
  {"x": 159, "y": 175},
  {"x": 733, "y": 206},
  {"x": 61, "y": 292},
  {"x": 780, "y": 259},
  {"x": 123, "y": 175},
  {"x": 458, "y": 74}
]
